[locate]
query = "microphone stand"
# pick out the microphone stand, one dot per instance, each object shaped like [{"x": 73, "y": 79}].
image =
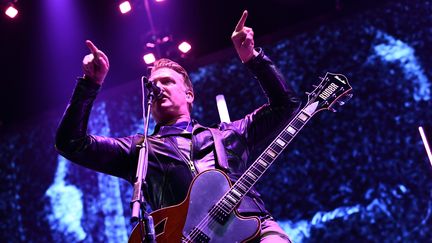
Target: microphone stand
[{"x": 138, "y": 202}]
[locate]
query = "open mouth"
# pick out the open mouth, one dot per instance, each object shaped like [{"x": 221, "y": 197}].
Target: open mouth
[{"x": 162, "y": 99}]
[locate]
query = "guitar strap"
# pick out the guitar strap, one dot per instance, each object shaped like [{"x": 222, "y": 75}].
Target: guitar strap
[{"x": 219, "y": 147}]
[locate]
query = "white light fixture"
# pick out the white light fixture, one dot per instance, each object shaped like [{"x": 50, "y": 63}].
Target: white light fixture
[
  {"x": 149, "y": 58},
  {"x": 184, "y": 47},
  {"x": 125, "y": 7},
  {"x": 11, "y": 12}
]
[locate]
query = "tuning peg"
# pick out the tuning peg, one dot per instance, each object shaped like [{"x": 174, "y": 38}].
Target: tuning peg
[
  {"x": 315, "y": 86},
  {"x": 308, "y": 93},
  {"x": 332, "y": 109},
  {"x": 321, "y": 78},
  {"x": 344, "y": 99}
]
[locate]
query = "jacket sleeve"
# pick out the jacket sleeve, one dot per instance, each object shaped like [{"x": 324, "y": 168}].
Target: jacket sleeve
[
  {"x": 265, "y": 122},
  {"x": 103, "y": 154}
]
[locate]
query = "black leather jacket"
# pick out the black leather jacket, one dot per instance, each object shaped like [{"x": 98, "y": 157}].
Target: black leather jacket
[{"x": 169, "y": 176}]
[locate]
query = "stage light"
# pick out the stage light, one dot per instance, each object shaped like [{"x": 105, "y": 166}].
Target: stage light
[
  {"x": 11, "y": 11},
  {"x": 165, "y": 39},
  {"x": 425, "y": 143},
  {"x": 184, "y": 47},
  {"x": 222, "y": 108},
  {"x": 125, "y": 7},
  {"x": 160, "y": 1},
  {"x": 149, "y": 58},
  {"x": 150, "y": 45}
]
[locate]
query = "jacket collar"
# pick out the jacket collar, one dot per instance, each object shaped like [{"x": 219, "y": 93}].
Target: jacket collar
[{"x": 181, "y": 128}]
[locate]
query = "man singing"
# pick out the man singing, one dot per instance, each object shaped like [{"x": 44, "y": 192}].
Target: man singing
[{"x": 180, "y": 148}]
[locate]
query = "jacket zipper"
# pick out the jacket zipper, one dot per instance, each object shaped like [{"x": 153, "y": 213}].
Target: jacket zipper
[
  {"x": 187, "y": 161},
  {"x": 191, "y": 163}
]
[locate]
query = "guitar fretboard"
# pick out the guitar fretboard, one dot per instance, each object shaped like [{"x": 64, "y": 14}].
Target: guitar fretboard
[{"x": 233, "y": 197}]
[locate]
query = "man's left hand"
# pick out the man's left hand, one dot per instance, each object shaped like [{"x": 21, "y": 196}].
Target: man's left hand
[{"x": 243, "y": 39}]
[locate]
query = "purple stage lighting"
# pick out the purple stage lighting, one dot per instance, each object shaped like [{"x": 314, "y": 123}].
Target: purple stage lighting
[
  {"x": 150, "y": 45},
  {"x": 149, "y": 58},
  {"x": 11, "y": 11},
  {"x": 184, "y": 47},
  {"x": 125, "y": 7}
]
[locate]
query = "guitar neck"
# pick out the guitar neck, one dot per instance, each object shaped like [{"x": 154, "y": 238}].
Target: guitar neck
[{"x": 233, "y": 197}]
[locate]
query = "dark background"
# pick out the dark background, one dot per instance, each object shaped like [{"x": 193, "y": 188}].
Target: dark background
[
  {"x": 359, "y": 175},
  {"x": 42, "y": 48}
]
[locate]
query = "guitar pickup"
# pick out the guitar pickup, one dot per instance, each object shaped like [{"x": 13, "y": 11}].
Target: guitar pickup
[
  {"x": 219, "y": 215},
  {"x": 199, "y": 236}
]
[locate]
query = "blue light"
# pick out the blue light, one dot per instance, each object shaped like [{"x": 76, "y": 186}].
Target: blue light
[
  {"x": 299, "y": 231},
  {"x": 394, "y": 50},
  {"x": 66, "y": 205},
  {"x": 110, "y": 201},
  {"x": 67, "y": 208}
]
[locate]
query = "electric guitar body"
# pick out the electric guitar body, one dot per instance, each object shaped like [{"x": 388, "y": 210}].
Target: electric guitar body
[{"x": 206, "y": 190}]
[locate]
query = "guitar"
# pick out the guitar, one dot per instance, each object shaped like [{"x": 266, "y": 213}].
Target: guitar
[{"x": 210, "y": 215}]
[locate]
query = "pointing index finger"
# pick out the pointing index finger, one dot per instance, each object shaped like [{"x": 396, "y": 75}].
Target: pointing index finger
[
  {"x": 242, "y": 21},
  {"x": 92, "y": 48}
]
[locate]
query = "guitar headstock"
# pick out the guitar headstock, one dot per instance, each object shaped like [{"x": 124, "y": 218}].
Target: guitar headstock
[{"x": 334, "y": 90}]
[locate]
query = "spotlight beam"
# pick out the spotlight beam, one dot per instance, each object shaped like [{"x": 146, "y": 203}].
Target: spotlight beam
[{"x": 152, "y": 28}]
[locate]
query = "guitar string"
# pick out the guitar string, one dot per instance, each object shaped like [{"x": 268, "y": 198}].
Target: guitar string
[{"x": 208, "y": 219}]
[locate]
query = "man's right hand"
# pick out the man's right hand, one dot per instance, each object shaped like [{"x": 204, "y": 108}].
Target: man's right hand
[{"x": 95, "y": 65}]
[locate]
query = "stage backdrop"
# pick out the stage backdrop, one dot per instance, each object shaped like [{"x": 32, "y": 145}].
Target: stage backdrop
[{"x": 358, "y": 175}]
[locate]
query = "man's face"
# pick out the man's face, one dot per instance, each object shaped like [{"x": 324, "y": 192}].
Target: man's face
[{"x": 176, "y": 97}]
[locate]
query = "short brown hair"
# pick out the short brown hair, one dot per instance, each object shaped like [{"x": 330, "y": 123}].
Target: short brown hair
[{"x": 168, "y": 63}]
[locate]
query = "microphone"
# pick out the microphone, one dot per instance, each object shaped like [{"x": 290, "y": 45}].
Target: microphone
[{"x": 152, "y": 88}]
